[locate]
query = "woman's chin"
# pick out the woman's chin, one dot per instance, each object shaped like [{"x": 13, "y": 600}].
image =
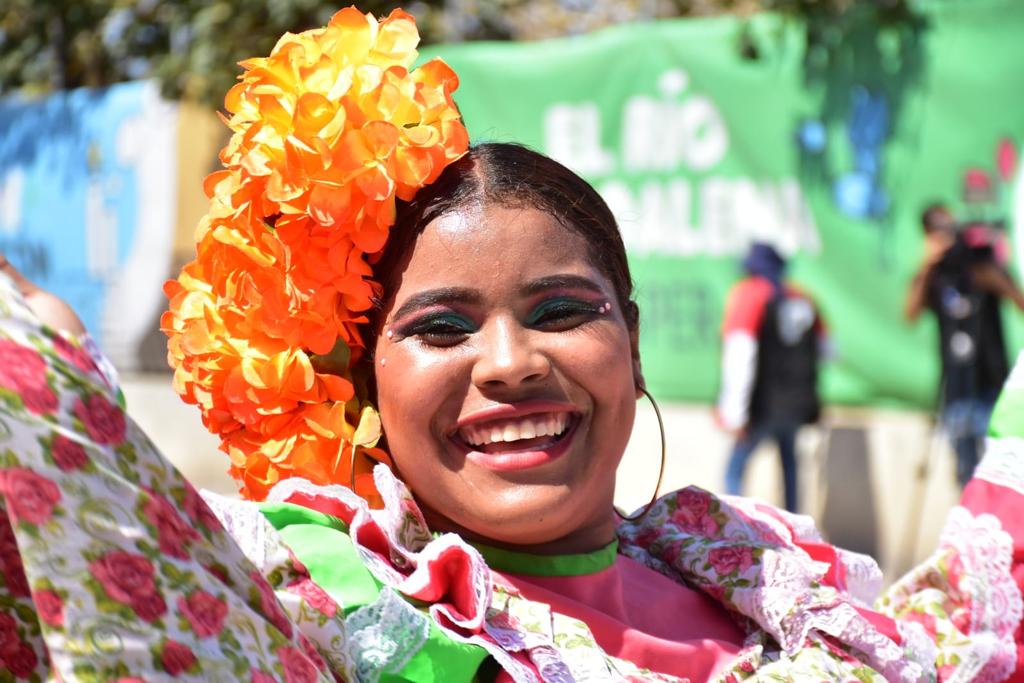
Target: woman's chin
[
  {"x": 549, "y": 491},
  {"x": 543, "y": 520}
]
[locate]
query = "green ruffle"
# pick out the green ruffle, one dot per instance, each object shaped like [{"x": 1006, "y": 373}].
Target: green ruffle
[
  {"x": 321, "y": 542},
  {"x": 1008, "y": 416}
]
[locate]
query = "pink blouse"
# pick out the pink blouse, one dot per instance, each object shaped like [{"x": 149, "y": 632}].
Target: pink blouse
[{"x": 639, "y": 615}]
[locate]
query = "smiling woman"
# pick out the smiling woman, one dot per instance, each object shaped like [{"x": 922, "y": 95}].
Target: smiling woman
[
  {"x": 527, "y": 345},
  {"x": 487, "y": 315}
]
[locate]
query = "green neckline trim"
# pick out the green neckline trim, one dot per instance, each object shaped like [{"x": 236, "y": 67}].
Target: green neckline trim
[
  {"x": 527, "y": 564},
  {"x": 282, "y": 515}
]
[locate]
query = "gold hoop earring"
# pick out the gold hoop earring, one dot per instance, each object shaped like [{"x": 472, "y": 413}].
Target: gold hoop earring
[{"x": 661, "y": 469}]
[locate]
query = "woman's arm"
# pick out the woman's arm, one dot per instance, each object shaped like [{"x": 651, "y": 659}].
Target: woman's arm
[
  {"x": 51, "y": 311},
  {"x": 100, "y": 534}
]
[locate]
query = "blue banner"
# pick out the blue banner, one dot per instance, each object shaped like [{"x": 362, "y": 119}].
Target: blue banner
[{"x": 88, "y": 200}]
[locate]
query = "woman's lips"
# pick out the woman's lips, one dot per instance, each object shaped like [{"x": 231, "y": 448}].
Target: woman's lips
[
  {"x": 526, "y": 429},
  {"x": 519, "y": 436},
  {"x": 523, "y": 455}
]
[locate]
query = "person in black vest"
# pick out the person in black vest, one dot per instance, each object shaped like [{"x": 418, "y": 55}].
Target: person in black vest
[
  {"x": 962, "y": 282},
  {"x": 772, "y": 337}
]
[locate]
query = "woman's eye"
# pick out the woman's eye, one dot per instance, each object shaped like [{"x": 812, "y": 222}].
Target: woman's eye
[
  {"x": 440, "y": 330},
  {"x": 559, "y": 314}
]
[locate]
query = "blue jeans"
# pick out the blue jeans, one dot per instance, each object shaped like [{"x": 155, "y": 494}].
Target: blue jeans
[
  {"x": 784, "y": 434},
  {"x": 965, "y": 421}
]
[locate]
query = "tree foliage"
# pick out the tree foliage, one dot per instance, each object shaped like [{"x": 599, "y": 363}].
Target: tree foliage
[{"x": 193, "y": 46}]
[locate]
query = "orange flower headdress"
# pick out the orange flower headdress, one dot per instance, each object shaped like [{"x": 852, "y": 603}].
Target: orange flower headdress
[{"x": 262, "y": 327}]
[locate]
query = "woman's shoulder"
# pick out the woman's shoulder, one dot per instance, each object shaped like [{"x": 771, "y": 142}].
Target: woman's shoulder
[{"x": 772, "y": 569}]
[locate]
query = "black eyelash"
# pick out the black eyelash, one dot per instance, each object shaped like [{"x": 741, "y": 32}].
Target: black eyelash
[
  {"x": 434, "y": 327},
  {"x": 555, "y": 312},
  {"x": 435, "y": 330}
]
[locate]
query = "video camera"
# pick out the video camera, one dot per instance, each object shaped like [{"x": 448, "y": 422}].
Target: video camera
[{"x": 974, "y": 242}]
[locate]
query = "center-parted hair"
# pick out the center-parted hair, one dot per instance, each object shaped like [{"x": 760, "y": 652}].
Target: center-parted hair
[{"x": 515, "y": 176}]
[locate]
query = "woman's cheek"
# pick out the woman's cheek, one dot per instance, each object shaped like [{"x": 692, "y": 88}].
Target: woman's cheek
[
  {"x": 413, "y": 385},
  {"x": 604, "y": 353}
]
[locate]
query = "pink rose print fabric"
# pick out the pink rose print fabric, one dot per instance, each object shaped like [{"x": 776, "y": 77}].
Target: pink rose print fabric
[
  {"x": 205, "y": 613},
  {"x": 103, "y": 420},
  {"x": 23, "y": 373},
  {"x": 112, "y": 567}
]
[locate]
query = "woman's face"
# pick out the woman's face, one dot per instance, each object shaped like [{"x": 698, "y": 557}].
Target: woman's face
[{"x": 505, "y": 379}]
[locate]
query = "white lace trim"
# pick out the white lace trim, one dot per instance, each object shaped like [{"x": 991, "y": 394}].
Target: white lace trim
[
  {"x": 918, "y": 647},
  {"x": 286, "y": 488},
  {"x": 986, "y": 552},
  {"x": 804, "y": 526},
  {"x": 863, "y": 576},
  {"x": 244, "y": 522},
  {"x": 519, "y": 672},
  {"x": 765, "y": 520},
  {"x": 841, "y": 621},
  {"x": 1003, "y": 463},
  {"x": 385, "y": 635}
]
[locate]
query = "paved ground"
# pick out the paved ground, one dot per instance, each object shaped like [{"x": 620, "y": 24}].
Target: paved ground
[{"x": 877, "y": 479}]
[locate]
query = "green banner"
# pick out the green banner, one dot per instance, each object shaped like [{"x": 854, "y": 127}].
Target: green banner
[{"x": 706, "y": 134}]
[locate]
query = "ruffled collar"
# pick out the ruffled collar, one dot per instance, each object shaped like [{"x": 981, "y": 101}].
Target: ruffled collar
[{"x": 742, "y": 556}]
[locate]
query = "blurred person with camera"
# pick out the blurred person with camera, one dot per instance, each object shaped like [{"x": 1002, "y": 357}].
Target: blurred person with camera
[{"x": 962, "y": 280}]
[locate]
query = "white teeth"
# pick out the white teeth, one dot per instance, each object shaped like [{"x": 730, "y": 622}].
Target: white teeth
[{"x": 509, "y": 431}]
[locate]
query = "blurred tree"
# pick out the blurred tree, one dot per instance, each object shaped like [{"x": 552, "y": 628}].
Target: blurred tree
[
  {"x": 54, "y": 44},
  {"x": 206, "y": 40},
  {"x": 193, "y": 46},
  {"x": 539, "y": 19}
]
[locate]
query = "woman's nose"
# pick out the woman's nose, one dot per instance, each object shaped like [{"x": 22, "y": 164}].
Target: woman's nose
[{"x": 508, "y": 355}]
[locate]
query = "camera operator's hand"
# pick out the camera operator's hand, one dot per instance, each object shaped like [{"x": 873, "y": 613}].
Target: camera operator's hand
[
  {"x": 51, "y": 311},
  {"x": 936, "y": 245}
]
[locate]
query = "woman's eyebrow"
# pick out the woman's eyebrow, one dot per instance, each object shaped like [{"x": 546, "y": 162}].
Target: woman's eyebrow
[
  {"x": 561, "y": 282},
  {"x": 434, "y": 297}
]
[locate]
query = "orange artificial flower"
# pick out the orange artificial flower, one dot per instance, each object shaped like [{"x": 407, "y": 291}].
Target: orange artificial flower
[{"x": 262, "y": 326}]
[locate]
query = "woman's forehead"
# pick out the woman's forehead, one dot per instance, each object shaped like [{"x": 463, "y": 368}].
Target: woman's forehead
[{"x": 479, "y": 243}]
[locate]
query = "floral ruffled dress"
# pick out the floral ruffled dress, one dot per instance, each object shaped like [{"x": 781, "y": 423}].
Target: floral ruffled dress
[{"x": 115, "y": 569}]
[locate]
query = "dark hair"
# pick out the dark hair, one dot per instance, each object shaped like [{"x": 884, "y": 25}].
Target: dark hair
[
  {"x": 931, "y": 214},
  {"x": 515, "y": 176}
]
